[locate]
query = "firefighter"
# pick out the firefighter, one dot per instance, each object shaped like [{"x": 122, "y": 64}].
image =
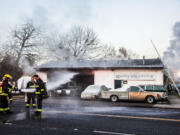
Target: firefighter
[
  {"x": 40, "y": 92},
  {"x": 31, "y": 96},
  {"x": 5, "y": 92}
]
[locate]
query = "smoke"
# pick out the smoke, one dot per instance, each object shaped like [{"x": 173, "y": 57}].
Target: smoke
[
  {"x": 172, "y": 54},
  {"x": 27, "y": 68},
  {"x": 58, "y": 78},
  {"x": 57, "y": 46}
]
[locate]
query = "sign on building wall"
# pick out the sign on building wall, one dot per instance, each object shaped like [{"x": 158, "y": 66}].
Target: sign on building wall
[{"x": 135, "y": 76}]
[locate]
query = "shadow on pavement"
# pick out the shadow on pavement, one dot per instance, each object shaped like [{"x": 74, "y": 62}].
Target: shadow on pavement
[
  {"x": 3, "y": 119},
  {"x": 27, "y": 115}
]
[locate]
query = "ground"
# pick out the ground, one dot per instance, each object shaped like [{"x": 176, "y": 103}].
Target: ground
[{"x": 68, "y": 116}]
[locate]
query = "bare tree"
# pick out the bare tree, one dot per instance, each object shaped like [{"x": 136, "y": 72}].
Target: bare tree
[
  {"x": 23, "y": 44},
  {"x": 79, "y": 43},
  {"x": 8, "y": 65},
  {"x": 128, "y": 54},
  {"x": 123, "y": 52},
  {"x": 1, "y": 55},
  {"x": 24, "y": 41},
  {"x": 111, "y": 52},
  {"x": 107, "y": 52}
]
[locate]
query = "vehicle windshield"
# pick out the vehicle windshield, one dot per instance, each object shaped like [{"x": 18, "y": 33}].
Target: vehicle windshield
[
  {"x": 105, "y": 88},
  {"x": 92, "y": 88}
]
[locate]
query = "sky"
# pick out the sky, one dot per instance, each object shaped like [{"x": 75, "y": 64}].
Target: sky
[{"x": 128, "y": 23}]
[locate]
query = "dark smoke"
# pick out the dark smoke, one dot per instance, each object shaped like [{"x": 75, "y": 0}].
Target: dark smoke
[{"x": 172, "y": 54}]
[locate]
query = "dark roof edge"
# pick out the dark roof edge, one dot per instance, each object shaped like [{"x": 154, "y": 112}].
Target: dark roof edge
[{"x": 98, "y": 68}]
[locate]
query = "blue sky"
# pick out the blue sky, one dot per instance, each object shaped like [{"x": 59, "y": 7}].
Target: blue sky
[{"x": 128, "y": 23}]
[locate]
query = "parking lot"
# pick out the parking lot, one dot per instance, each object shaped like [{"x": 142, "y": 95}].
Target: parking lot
[{"x": 67, "y": 115}]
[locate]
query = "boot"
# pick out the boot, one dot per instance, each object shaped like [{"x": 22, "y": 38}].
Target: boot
[
  {"x": 34, "y": 106},
  {"x": 8, "y": 112},
  {"x": 37, "y": 113},
  {"x": 1, "y": 112}
]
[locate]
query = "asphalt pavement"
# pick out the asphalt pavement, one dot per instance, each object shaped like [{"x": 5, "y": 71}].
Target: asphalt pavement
[{"x": 68, "y": 116}]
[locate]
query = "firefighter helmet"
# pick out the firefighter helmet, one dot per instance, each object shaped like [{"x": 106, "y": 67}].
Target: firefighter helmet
[
  {"x": 35, "y": 75},
  {"x": 7, "y": 76}
]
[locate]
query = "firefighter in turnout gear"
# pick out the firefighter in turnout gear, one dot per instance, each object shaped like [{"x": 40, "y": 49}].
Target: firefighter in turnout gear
[
  {"x": 5, "y": 93},
  {"x": 31, "y": 96},
  {"x": 40, "y": 92}
]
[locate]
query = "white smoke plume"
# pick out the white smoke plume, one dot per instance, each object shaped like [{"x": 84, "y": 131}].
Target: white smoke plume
[
  {"x": 58, "y": 78},
  {"x": 172, "y": 54},
  {"x": 27, "y": 68}
]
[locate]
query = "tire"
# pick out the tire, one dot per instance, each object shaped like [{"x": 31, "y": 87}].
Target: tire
[
  {"x": 114, "y": 98},
  {"x": 150, "y": 99}
]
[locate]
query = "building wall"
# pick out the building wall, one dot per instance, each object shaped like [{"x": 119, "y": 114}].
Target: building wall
[
  {"x": 104, "y": 77},
  {"x": 133, "y": 77}
]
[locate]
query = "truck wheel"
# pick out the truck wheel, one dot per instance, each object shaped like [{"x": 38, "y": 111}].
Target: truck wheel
[
  {"x": 150, "y": 99},
  {"x": 114, "y": 98}
]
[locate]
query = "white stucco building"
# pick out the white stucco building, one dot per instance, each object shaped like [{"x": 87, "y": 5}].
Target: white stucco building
[
  {"x": 113, "y": 73},
  {"x": 110, "y": 78}
]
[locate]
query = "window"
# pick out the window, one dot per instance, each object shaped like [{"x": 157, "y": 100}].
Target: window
[
  {"x": 159, "y": 88},
  {"x": 142, "y": 86},
  {"x": 149, "y": 88},
  {"x": 118, "y": 83},
  {"x": 134, "y": 89}
]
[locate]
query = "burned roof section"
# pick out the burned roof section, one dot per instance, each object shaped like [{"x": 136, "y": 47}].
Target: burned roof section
[{"x": 103, "y": 64}]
